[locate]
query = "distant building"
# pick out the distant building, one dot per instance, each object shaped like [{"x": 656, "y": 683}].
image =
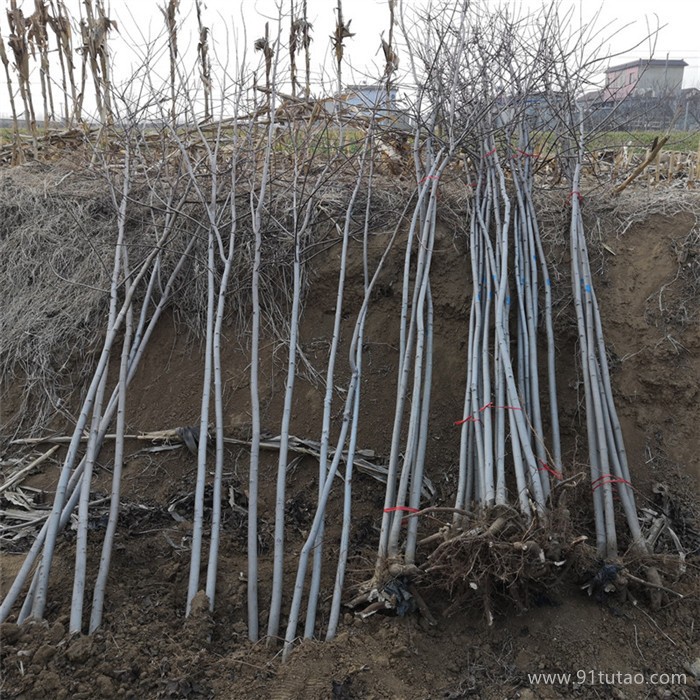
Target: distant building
[
  {"x": 590, "y": 99},
  {"x": 690, "y": 109},
  {"x": 642, "y": 94},
  {"x": 365, "y": 100},
  {"x": 541, "y": 110},
  {"x": 370, "y": 97},
  {"x": 644, "y": 78}
]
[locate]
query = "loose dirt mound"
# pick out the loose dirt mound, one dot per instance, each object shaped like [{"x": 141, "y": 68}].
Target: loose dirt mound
[{"x": 647, "y": 285}]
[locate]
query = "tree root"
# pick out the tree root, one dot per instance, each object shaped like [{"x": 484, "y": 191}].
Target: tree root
[
  {"x": 500, "y": 554},
  {"x": 503, "y": 557}
]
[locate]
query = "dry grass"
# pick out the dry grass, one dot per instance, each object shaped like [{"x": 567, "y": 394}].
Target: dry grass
[{"x": 55, "y": 253}]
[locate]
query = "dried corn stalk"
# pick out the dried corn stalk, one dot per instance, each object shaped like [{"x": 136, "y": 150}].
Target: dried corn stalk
[
  {"x": 342, "y": 32},
  {"x": 38, "y": 42},
  {"x": 169, "y": 13},
  {"x": 300, "y": 38},
  {"x": 94, "y": 29},
  {"x": 20, "y": 49},
  {"x": 263, "y": 44},
  {"x": 60, "y": 24},
  {"x": 391, "y": 58},
  {"x": 204, "y": 62},
  {"x": 16, "y": 150}
]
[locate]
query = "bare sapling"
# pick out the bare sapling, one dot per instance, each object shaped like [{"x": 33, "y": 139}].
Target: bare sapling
[
  {"x": 226, "y": 254},
  {"x": 257, "y": 205},
  {"x": 300, "y": 229},
  {"x": 323, "y": 468},
  {"x": 108, "y": 542},
  {"x": 216, "y": 297},
  {"x": 202, "y": 444},
  {"x": 345, "y": 428},
  {"x": 415, "y": 358},
  {"x": 80, "y": 572},
  {"x": 338, "y": 588}
]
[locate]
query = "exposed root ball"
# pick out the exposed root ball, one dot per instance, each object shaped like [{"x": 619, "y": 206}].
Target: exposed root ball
[{"x": 503, "y": 556}]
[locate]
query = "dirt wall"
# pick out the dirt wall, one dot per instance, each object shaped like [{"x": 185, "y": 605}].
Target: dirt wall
[{"x": 146, "y": 651}]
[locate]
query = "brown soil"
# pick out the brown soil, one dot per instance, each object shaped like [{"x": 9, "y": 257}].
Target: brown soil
[{"x": 146, "y": 650}]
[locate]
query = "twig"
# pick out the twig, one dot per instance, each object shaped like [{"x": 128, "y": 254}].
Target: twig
[
  {"x": 649, "y": 584},
  {"x": 640, "y": 168},
  {"x": 18, "y": 476}
]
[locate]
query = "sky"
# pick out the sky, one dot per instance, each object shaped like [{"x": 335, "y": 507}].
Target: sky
[{"x": 238, "y": 22}]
